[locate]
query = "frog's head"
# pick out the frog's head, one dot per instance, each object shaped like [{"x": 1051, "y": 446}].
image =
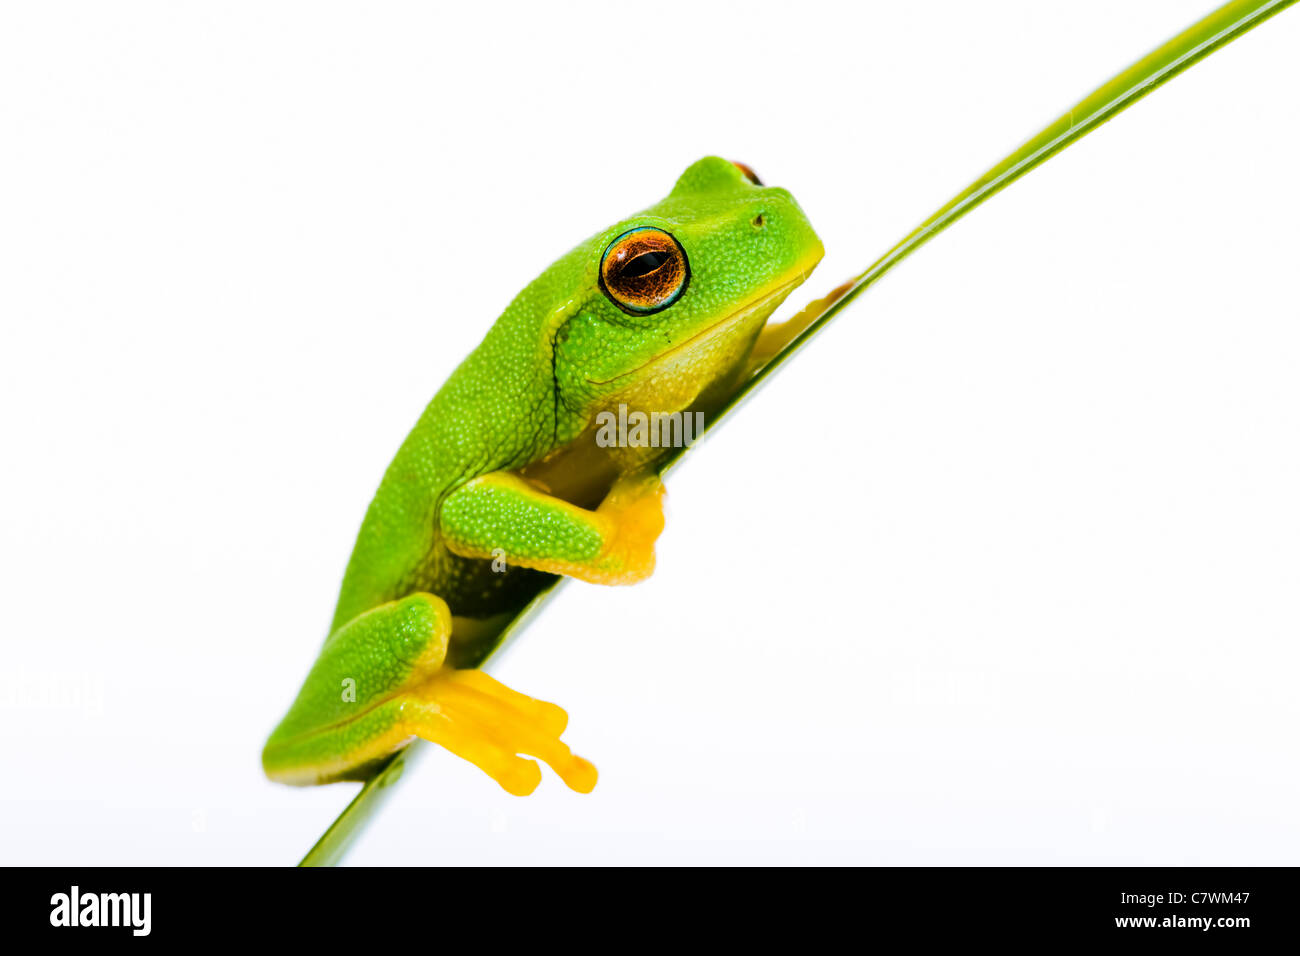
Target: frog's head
[{"x": 670, "y": 301}]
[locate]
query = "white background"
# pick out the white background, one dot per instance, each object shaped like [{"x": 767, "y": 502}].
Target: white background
[{"x": 1001, "y": 569}]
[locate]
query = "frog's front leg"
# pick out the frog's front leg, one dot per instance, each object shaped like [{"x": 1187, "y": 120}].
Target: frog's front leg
[
  {"x": 502, "y": 512},
  {"x": 380, "y": 682},
  {"x": 776, "y": 336}
]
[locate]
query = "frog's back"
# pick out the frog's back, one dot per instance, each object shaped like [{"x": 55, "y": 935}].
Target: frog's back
[{"x": 495, "y": 411}]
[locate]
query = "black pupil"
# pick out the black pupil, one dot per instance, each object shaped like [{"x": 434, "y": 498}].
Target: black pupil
[{"x": 644, "y": 264}]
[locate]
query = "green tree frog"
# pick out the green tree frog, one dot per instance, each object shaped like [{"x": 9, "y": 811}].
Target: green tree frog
[{"x": 502, "y": 481}]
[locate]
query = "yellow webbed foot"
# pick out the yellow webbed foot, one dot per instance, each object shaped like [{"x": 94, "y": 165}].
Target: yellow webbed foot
[
  {"x": 490, "y": 725},
  {"x": 635, "y": 509}
]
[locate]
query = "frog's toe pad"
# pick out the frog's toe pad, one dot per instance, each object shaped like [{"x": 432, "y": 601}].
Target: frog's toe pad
[
  {"x": 636, "y": 507},
  {"x": 490, "y": 725}
]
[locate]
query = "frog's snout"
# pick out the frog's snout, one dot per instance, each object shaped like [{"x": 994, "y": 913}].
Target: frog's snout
[{"x": 778, "y": 221}]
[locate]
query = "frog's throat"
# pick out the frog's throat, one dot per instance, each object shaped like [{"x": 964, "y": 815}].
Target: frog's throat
[{"x": 754, "y": 312}]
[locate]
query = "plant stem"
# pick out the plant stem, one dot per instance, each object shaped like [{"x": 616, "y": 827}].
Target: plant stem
[{"x": 1196, "y": 42}]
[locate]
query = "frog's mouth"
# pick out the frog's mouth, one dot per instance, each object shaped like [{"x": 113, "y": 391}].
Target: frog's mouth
[{"x": 735, "y": 327}]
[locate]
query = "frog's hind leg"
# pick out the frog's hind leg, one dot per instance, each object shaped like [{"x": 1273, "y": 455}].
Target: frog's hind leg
[
  {"x": 381, "y": 680},
  {"x": 488, "y": 724}
]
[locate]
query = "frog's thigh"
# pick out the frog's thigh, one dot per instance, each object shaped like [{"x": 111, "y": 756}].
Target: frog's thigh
[
  {"x": 502, "y": 515},
  {"x": 380, "y": 682}
]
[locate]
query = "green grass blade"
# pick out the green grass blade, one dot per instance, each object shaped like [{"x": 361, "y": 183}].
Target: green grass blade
[
  {"x": 1111, "y": 98},
  {"x": 1196, "y": 42}
]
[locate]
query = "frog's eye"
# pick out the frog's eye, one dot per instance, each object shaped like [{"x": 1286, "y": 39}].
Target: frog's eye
[
  {"x": 748, "y": 171},
  {"x": 644, "y": 270}
]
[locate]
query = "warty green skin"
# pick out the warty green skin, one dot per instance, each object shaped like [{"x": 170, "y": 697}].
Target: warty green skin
[
  {"x": 531, "y": 387},
  {"x": 526, "y": 389}
]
